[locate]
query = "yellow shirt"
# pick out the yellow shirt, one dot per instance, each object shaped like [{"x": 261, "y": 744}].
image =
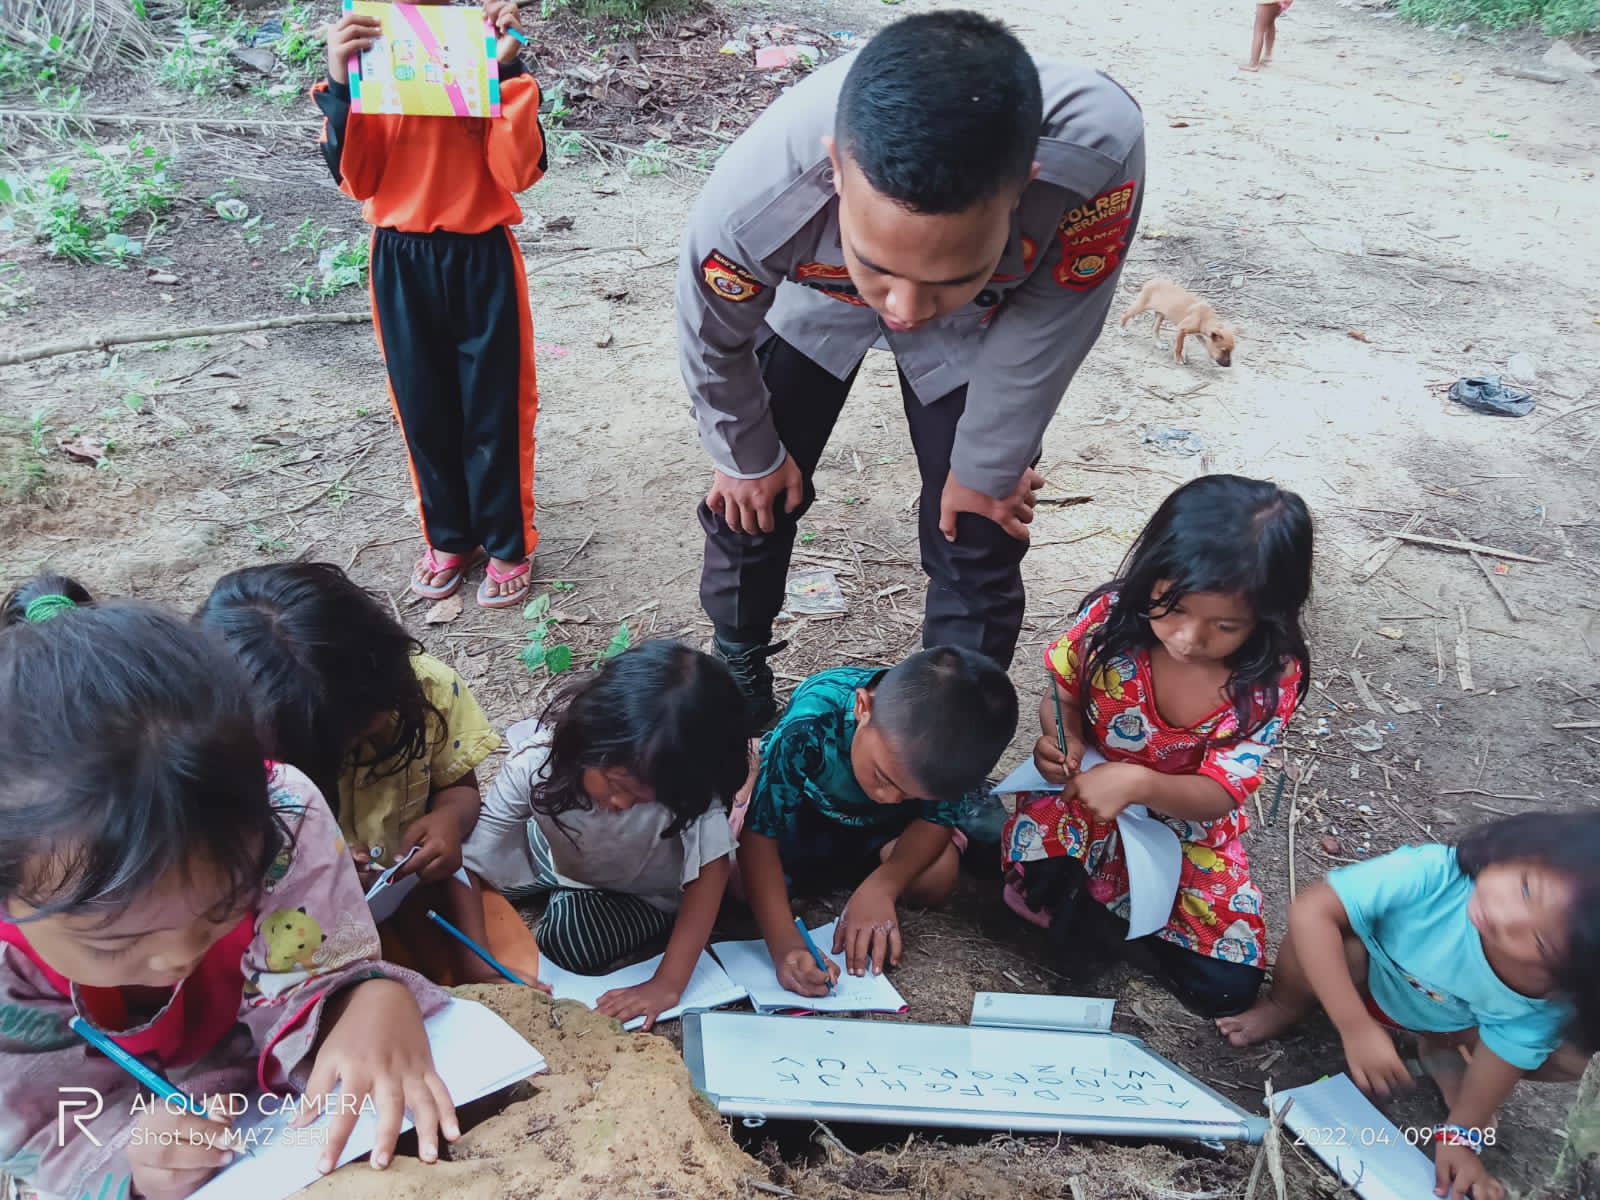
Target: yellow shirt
[{"x": 377, "y": 803}]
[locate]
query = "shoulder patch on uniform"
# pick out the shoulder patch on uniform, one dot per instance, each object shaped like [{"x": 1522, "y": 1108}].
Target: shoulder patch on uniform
[
  {"x": 818, "y": 270},
  {"x": 1109, "y": 206},
  {"x": 1089, "y": 257},
  {"x": 728, "y": 279}
]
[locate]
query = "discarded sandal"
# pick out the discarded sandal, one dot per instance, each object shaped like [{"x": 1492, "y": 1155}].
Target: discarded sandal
[
  {"x": 430, "y": 564},
  {"x": 522, "y": 571}
]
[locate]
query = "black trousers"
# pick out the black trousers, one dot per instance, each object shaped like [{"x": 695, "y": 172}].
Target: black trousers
[
  {"x": 452, "y": 318},
  {"x": 975, "y": 597}
]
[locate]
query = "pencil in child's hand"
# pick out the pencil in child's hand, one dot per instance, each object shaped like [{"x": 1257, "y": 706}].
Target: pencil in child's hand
[
  {"x": 816, "y": 954},
  {"x": 1061, "y": 726}
]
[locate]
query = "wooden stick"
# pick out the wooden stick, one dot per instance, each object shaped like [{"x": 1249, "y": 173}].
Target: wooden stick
[
  {"x": 105, "y": 341},
  {"x": 1477, "y": 791},
  {"x": 1463, "y": 654},
  {"x": 1365, "y": 692},
  {"x": 102, "y": 118},
  {"x": 1576, "y": 725},
  {"x": 1488, "y": 573},
  {"x": 1467, "y": 547},
  {"x": 1385, "y": 551}
]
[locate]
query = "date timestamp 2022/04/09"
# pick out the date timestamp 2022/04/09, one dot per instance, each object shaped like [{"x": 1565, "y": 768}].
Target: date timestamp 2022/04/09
[{"x": 1339, "y": 1137}]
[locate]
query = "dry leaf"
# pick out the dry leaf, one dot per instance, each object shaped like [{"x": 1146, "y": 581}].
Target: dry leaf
[
  {"x": 1358, "y": 336},
  {"x": 258, "y": 340},
  {"x": 85, "y": 449},
  {"x": 444, "y": 612},
  {"x": 1390, "y": 632}
]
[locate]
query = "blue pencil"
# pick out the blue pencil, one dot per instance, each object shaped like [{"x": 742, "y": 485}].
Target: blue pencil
[
  {"x": 472, "y": 945},
  {"x": 816, "y": 954},
  {"x": 161, "y": 1086},
  {"x": 521, "y": 37}
]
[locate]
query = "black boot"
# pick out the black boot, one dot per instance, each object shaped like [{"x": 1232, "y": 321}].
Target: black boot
[{"x": 748, "y": 662}]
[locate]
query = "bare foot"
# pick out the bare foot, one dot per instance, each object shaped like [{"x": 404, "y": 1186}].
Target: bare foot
[
  {"x": 1263, "y": 1020},
  {"x": 1249, "y": 67},
  {"x": 436, "y": 568},
  {"x": 1266, "y": 59}
]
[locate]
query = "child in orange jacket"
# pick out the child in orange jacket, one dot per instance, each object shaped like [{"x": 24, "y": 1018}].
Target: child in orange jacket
[{"x": 450, "y": 305}]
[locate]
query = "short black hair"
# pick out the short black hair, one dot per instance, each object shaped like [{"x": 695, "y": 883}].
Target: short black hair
[
  {"x": 941, "y": 111},
  {"x": 151, "y": 763},
  {"x": 325, "y": 657},
  {"x": 1569, "y": 844},
  {"x": 666, "y": 713},
  {"x": 44, "y": 586},
  {"x": 948, "y": 714}
]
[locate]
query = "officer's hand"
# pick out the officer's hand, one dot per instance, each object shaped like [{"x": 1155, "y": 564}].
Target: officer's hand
[
  {"x": 747, "y": 505},
  {"x": 1012, "y": 513}
]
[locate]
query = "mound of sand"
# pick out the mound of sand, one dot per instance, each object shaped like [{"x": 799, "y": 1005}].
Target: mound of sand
[{"x": 614, "y": 1118}]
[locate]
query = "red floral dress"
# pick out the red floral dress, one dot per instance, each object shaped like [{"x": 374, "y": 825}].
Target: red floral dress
[{"x": 1218, "y": 910}]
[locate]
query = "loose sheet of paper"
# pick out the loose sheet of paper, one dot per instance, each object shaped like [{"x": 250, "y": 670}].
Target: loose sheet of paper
[
  {"x": 1341, "y": 1127},
  {"x": 750, "y": 966},
  {"x": 1020, "y": 1010},
  {"x": 709, "y": 986},
  {"x": 387, "y": 893},
  {"x": 475, "y": 1053},
  {"x": 1150, "y": 848}
]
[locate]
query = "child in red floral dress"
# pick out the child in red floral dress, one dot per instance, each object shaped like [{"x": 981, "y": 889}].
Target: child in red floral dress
[{"x": 1182, "y": 672}]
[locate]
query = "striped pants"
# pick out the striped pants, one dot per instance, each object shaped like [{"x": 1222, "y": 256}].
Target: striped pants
[{"x": 585, "y": 929}]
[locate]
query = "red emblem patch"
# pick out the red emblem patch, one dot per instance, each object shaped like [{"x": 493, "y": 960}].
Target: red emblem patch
[
  {"x": 728, "y": 280},
  {"x": 831, "y": 280}
]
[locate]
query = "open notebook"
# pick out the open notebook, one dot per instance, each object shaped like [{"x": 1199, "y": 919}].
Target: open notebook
[
  {"x": 750, "y": 966},
  {"x": 475, "y": 1053},
  {"x": 709, "y": 986}
]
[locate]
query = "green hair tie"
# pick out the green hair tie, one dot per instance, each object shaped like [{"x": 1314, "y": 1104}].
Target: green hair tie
[{"x": 42, "y": 608}]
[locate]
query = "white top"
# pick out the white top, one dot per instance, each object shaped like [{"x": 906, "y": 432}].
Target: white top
[{"x": 589, "y": 848}]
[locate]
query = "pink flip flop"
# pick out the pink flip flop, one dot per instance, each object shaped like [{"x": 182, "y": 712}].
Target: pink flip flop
[
  {"x": 523, "y": 570},
  {"x": 432, "y": 563}
]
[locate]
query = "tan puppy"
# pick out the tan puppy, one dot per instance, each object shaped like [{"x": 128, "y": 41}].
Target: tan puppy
[{"x": 1192, "y": 316}]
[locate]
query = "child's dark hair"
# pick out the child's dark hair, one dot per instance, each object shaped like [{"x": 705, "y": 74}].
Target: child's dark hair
[
  {"x": 1219, "y": 533},
  {"x": 1568, "y": 843},
  {"x": 325, "y": 658},
  {"x": 42, "y": 597},
  {"x": 665, "y": 713},
  {"x": 949, "y": 714},
  {"x": 941, "y": 111},
  {"x": 152, "y": 763}
]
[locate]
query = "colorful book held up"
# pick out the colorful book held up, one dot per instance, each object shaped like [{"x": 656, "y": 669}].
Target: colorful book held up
[{"x": 429, "y": 61}]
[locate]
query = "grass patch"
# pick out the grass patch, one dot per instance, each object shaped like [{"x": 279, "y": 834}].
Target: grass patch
[
  {"x": 80, "y": 210},
  {"x": 1558, "y": 18},
  {"x": 627, "y": 10}
]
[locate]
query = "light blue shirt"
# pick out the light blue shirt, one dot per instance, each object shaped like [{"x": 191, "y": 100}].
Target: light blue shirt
[{"x": 1428, "y": 971}]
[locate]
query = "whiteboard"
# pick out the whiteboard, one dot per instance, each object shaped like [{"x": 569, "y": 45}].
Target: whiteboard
[{"x": 775, "y": 1067}]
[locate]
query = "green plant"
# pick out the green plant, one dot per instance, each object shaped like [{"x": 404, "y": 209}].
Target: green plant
[
  {"x": 540, "y": 653},
  {"x": 307, "y": 236},
  {"x": 651, "y": 160},
  {"x": 556, "y": 110},
  {"x": 300, "y": 47},
  {"x": 339, "y": 496},
  {"x": 808, "y": 536},
  {"x": 343, "y": 265},
  {"x": 1558, "y": 18},
  {"x": 120, "y": 183},
  {"x": 561, "y": 586},
  {"x": 264, "y": 542},
  {"x": 197, "y": 67},
  {"x": 629, "y": 10},
  {"x": 620, "y": 641},
  {"x": 304, "y": 290}
]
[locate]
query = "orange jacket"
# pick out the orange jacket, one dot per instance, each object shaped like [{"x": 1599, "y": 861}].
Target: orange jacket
[{"x": 420, "y": 174}]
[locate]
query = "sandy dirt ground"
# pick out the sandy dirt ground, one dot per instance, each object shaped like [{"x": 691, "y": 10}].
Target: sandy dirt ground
[{"x": 1379, "y": 212}]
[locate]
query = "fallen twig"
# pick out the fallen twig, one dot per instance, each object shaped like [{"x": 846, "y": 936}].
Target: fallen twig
[
  {"x": 1466, "y": 547},
  {"x": 1463, "y": 655},
  {"x": 1488, "y": 573},
  {"x": 104, "y": 341},
  {"x": 104, "y": 118},
  {"x": 1576, "y": 725},
  {"x": 1477, "y": 791},
  {"x": 1379, "y": 558}
]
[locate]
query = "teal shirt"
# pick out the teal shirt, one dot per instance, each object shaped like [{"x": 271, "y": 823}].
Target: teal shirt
[
  {"x": 1428, "y": 971},
  {"x": 805, "y": 760}
]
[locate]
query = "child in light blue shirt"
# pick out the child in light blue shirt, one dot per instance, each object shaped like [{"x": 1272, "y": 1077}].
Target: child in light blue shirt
[{"x": 1489, "y": 951}]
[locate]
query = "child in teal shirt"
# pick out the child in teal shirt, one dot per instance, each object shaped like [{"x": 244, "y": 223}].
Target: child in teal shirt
[{"x": 861, "y": 782}]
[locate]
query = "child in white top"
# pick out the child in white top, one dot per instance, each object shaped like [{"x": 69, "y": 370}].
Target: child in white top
[{"x": 616, "y": 803}]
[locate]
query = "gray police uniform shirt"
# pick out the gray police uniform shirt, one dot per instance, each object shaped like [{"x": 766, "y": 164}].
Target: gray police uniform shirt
[
  {"x": 517, "y": 850},
  {"x": 762, "y": 256}
]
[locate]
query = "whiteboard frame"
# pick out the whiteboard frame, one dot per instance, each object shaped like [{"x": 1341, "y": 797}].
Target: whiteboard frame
[{"x": 1249, "y": 1129}]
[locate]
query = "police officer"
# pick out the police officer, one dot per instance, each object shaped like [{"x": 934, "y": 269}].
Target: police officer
[{"x": 941, "y": 194}]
